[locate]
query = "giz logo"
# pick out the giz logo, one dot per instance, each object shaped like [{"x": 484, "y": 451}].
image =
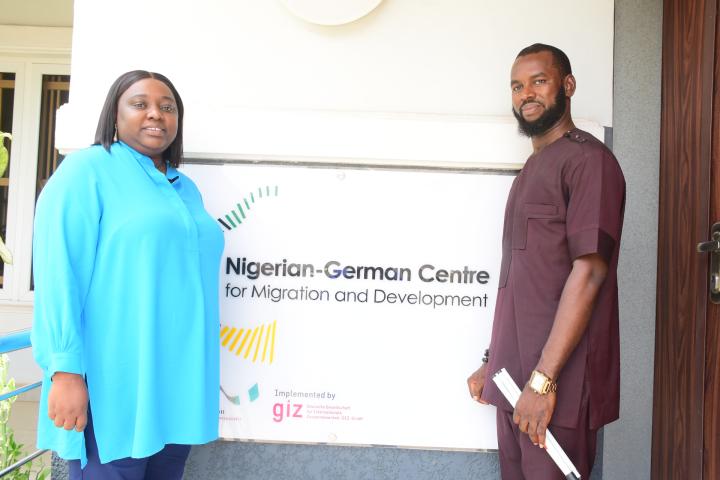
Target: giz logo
[{"x": 281, "y": 411}]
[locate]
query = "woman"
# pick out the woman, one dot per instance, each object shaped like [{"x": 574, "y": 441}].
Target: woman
[{"x": 126, "y": 323}]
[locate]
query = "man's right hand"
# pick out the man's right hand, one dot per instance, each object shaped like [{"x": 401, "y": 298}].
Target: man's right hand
[
  {"x": 68, "y": 401},
  {"x": 476, "y": 383}
]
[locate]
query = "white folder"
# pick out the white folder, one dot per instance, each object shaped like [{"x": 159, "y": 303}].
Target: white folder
[{"x": 509, "y": 388}]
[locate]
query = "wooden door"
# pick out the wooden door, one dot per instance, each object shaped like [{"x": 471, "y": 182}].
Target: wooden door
[{"x": 686, "y": 410}]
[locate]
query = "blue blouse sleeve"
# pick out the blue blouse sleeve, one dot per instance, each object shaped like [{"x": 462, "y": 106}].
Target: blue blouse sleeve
[{"x": 67, "y": 220}]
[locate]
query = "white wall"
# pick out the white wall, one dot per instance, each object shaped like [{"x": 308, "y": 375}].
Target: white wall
[{"x": 258, "y": 81}]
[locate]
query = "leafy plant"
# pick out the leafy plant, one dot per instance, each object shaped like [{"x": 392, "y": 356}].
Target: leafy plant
[
  {"x": 5, "y": 254},
  {"x": 10, "y": 450},
  {"x": 4, "y": 157}
]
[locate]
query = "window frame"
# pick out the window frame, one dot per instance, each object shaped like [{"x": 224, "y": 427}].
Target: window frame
[
  {"x": 29, "y": 71},
  {"x": 8, "y": 289}
]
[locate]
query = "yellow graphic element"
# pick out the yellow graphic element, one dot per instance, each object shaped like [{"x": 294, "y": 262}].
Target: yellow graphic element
[
  {"x": 251, "y": 340},
  {"x": 257, "y": 345},
  {"x": 237, "y": 337},
  {"x": 272, "y": 344},
  {"x": 267, "y": 337},
  {"x": 228, "y": 336},
  {"x": 242, "y": 344}
]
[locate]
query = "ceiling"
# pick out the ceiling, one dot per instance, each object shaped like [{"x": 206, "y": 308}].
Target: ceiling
[{"x": 46, "y": 13}]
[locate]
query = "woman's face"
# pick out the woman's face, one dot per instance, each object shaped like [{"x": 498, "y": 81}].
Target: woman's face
[{"x": 147, "y": 118}]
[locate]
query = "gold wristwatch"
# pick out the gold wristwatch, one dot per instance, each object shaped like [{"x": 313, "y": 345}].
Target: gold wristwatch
[{"x": 541, "y": 383}]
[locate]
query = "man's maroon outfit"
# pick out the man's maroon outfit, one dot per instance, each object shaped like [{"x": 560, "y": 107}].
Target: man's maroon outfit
[{"x": 567, "y": 202}]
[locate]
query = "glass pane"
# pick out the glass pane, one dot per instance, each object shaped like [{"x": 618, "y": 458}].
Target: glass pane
[
  {"x": 55, "y": 93},
  {"x": 7, "y": 100}
]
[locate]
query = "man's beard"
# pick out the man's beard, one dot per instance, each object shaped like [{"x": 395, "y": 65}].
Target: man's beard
[{"x": 546, "y": 121}]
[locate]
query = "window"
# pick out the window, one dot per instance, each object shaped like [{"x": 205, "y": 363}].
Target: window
[
  {"x": 7, "y": 102},
  {"x": 33, "y": 62},
  {"x": 55, "y": 93},
  {"x": 31, "y": 92}
]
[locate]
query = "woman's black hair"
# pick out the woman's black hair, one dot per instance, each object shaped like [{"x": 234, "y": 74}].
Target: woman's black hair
[{"x": 106, "y": 129}]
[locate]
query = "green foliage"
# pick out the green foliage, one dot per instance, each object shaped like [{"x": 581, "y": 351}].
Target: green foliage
[
  {"x": 5, "y": 254},
  {"x": 10, "y": 450},
  {"x": 4, "y": 157}
]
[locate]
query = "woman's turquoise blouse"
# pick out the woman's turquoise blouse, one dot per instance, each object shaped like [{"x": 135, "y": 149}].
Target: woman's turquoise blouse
[{"x": 126, "y": 268}]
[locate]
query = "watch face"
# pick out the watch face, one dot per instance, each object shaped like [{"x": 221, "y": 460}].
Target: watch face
[
  {"x": 330, "y": 12},
  {"x": 539, "y": 383}
]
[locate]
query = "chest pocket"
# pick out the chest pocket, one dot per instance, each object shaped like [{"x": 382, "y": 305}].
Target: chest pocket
[{"x": 523, "y": 215}]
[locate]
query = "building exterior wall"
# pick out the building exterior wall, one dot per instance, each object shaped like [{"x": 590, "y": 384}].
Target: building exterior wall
[
  {"x": 626, "y": 443},
  {"x": 636, "y": 142}
]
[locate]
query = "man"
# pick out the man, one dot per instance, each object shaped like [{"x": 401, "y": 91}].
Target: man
[{"x": 556, "y": 317}]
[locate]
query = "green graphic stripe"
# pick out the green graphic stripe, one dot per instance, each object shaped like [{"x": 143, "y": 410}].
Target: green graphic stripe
[{"x": 239, "y": 214}]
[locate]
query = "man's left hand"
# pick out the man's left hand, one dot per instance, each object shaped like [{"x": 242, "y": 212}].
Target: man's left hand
[{"x": 533, "y": 413}]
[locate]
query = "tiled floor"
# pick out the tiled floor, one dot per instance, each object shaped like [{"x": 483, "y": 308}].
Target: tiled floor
[{"x": 23, "y": 421}]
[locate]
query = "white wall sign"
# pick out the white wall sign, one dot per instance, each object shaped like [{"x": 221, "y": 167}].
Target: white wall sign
[{"x": 355, "y": 303}]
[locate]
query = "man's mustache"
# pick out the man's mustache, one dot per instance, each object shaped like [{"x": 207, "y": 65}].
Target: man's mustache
[{"x": 526, "y": 102}]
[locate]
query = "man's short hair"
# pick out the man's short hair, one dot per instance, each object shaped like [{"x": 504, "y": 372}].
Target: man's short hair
[{"x": 560, "y": 60}]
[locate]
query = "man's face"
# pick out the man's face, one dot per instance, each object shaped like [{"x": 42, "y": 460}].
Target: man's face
[{"x": 539, "y": 98}]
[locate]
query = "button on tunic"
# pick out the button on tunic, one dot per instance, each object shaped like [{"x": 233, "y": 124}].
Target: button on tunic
[
  {"x": 567, "y": 201},
  {"x": 126, "y": 269}
]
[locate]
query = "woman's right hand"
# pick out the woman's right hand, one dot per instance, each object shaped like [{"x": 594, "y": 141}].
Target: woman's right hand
[{"x": 68, "y": 401}]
